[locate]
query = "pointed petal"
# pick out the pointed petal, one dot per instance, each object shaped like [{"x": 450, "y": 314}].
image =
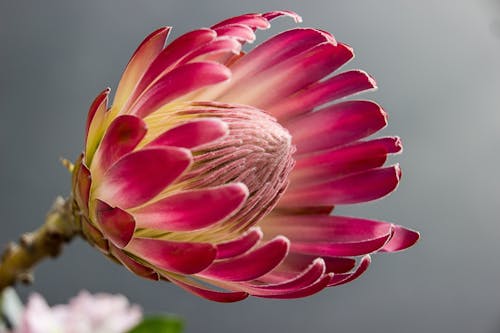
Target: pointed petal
[
  {"x": 122, "y": 136},
  {"x": 361, "y": 187},
  {"x": 94, "y": 236},
  {"x": 172, "y": 54},
  {"x": 220, "y": 46},
  {"x": 140, "y": 61},
  {"x": 192, "y": 210},
  {"x": 178, "y": 257},
  {"x": 283, "y": 79},
  {"x": 240, "y": 32},
  {"x": 240, "y": 245},
  {"x": 277, "y": 13},
  {"x": 116, "y": 224},
  {"x": 314, "y": 271},
  {"x": 314, "y": 288},
  {"x": 402, "y": 239},
  {"x": 141, "y": 175},
  {"x": 83, "y": 183},
  {"x": 134, "y": 266},
  {"x": 336, "y": 87},
  {"x": 254, "y": 21},
  {"x": 251, "y": 265},
  {"x": 339, "y": 279},
  {"x": 211, "y": 295},
  {"x": 343, "y": 161},
  {"x": 95, "y": 128},
  {"x": 336, "y": 125},
  {"x": 180, "y": 81},
  {"x": 192, "y": 134}
]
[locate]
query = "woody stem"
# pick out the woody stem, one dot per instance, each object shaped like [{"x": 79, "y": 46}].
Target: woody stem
[{"x": 19, "y": 259}]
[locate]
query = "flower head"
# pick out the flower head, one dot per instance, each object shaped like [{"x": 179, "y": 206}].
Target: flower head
[
  {"x": 86, "y": 313},
  {"x": 217, "y": 169}
]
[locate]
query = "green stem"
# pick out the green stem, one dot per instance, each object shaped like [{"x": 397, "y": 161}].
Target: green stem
[{"x": 18, "y": 260}]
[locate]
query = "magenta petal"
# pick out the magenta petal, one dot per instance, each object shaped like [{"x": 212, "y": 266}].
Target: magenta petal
[
  {"x": 211, "y": 295},
  {"x": 94, "y": 128},
  {"x": 324, "y": 228},
  {"x": 240, "y": 32},
  {"x": 83, "y": 184},
  {"x": 346, "y": 160},
  {"x": 401, "y": 239},
  {"x": 134, "y": 266},
  {"x": 254, "y": 21},
  {"x": 219, "y": 46},
  {"x": 177, "y": 257},
  {"x": 274, "y": 14},
  {"x": 251, "y": 265},
  {"x": 192, "y": 134},
  {"x": 365, "y": 186},
  {"x": 192, "y": 210},
  {"x": 172, "y": 54},
  {"x": 339, "y": 279},
  {"x": 239, "y": 245},
  {"x": 314, "y": 288},
  {"x": 336, "y": 125},
  {"x": 180, "y": 81},
  {"x": 141, "y": 175},
  {"x": 336, "y": 87},
  {"x": 116, "y": 224},
  {"x": 296, "y": 262},
  {"x": 122, "y": 136},
  {"x": 308, "y": 276},
  {"x": 140, "y": 61}
]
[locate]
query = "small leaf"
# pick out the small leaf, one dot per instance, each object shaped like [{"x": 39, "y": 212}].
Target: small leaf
[{"x": 159, "y": 324}]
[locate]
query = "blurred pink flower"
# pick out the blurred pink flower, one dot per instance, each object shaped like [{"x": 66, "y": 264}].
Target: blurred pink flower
[
  {"x": 216, "y": 167},
  {"x": 86, "y": 313}
]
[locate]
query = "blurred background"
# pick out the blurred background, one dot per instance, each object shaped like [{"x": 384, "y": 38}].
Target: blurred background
[{"x": 437, "y": 65}]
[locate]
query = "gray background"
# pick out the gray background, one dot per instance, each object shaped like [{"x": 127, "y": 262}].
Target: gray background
[{"x": 437, "y": 64}]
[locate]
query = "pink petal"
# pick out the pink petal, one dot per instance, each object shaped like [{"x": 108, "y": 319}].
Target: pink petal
[
  {"x": 274, "y": 14},
  {"x": 240, "y": 32},
  {"x": 278, "y": 49},
  {"x": 178, "y": 257},
  {"x": 192, "y": 210},
  {"x": 297, "y": 262},
  {"x": 239, "y": 245},
  {"x": 285, "y": 78},
  {"x": 172, "y": 54},
  {"x": 251, "y": 265},
  {"x": 219, "y": 46},
  {"x": 180, "y": 81},
  {"x": 94, "y": 129},
  {"x": 346, "y": 160},
  {"x": 339, "y": 86},
  {"x": 134, "y": 266},
  {"x": 308, "y": 276},
  {"x": 83, "y": 183},
  {"x": 314, "y": 288},
  {"x": 324, "y": 228},
  {"x": 402, "y": 239},
  {"x": 336, "y": 125},
  {"x": 94, "y": 236},
  {"x": 122, "y": 136},
  {"x": 116, "y": 224},
  {"x": 339, "y": 279},
  {"x": 365, "y": 186},
  {"x": 254, "y": 21},
  {"x": 140, "y": 61},
  {"x": 211, "y": 295},
  {"x": 192, "y": 134},
  {"x": 141, "y": 175}
]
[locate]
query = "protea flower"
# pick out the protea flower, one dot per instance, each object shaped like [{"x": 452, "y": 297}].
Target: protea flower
[{"x": 217, "y": 169}]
